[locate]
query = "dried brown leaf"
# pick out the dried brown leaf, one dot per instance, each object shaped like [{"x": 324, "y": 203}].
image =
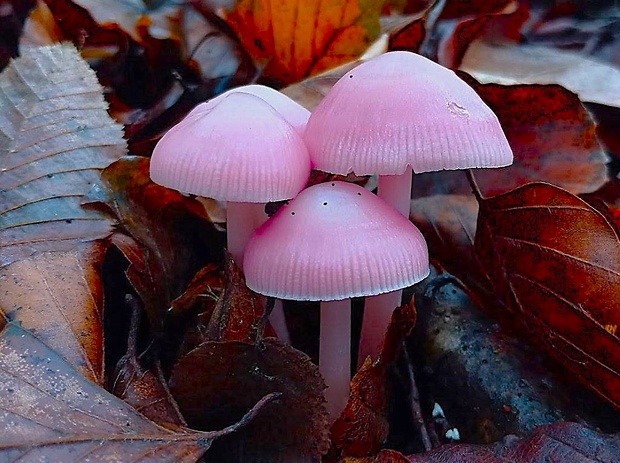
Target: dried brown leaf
[
  {"x": 50, "y": 412},
  {"x": 55, "y": 137}
]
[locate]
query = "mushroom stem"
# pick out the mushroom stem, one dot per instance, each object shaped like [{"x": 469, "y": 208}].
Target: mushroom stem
[
  {"x": 377, "y": 315},
  {"x": 396, "y": 191},
  {"x": 335, "y": 354},
  {"x": 240, "y": 223}
]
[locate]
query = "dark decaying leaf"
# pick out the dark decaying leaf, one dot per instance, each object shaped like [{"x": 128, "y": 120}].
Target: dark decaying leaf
[
  {"x": 50, "y": 412},
  {"x": 363, "y": 426},
  {"x": 561, "y": 442},
  {"x": 551, "y": 134},
  {"x": 384, "y": 456},
  {"x": 215, "y": 383},
  {"x": 55, "y": 138},
  {"x": 239, "y": 313},
  {"x": 555, "y": 264},
  {"x": 172, "y": 237},
  {"x": 232, "y": 365},
  {"x": 139, "y": 380}
]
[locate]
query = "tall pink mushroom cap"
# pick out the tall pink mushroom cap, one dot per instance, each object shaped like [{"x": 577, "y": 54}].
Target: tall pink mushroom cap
[
  {"x": 332, "y": 242},
  {"x": 241, "y": 151},
  {"x": 393, "y": 115},
  {"x": 291, "y": 111},
  {"x": 401, "y": 109},
  {"x": 335, "y": 241}
]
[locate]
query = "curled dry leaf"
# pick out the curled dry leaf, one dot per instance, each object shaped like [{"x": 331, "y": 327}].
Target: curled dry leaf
[
  {"x": 363, "y": 426},
  {"x": 555, "y": 264},
  {"x": 55, "y": 138},
  {"x": 239, "y": 313},
  {"x": 561, "y": 442},
  {"x": 294, "y": 39},
  {"x": 50, "y": 412}
]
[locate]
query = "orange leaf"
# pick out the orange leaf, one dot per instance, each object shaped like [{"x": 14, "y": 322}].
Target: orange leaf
[{"x": 298, "y": 38}]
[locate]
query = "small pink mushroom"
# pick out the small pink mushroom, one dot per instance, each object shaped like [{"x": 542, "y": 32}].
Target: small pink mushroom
[
  {"x": 240, "y": 151},
  {"x": 335, "y": 241},
  {"x": 394, "y": 114}
]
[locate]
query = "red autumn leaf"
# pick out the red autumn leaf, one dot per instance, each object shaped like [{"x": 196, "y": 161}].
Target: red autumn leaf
[
  {"x": 294, "y": 39},
  {"x": 54, "y": 140},
  {"x": 448, "y": 222},
  {"x": 363, "y": 426},
  {"x": 555, "y": 263},
  {"x": 557, "y": 443}
]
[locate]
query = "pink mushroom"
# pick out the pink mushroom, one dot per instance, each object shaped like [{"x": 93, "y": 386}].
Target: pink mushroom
[
  {"x": 240, "y": 151},
  {"x": 394, "y": 114},
  {"x": 335, "y": 241}
]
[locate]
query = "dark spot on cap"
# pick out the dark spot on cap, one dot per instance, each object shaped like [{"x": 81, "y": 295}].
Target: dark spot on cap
[
  {"x": 325, "y": 203},
  {"x": 293, "y": 213},
  {"x": 359, "y": 194}
]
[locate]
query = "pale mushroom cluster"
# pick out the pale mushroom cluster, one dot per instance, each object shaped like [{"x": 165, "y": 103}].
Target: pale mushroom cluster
[{"x": 391, "y": 116}]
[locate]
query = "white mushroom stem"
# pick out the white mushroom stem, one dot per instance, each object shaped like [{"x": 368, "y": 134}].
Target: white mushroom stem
[
  {"x": 241, "y": 221},
  {"x": 335, "y": 354},
  {"x": 396, "y": 191}
]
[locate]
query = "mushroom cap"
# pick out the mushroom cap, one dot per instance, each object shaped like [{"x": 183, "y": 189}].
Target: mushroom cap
[
  {"x": 334, "y": 241},
  {"x": 241, "y": 150},
  {"x": 401, "y": 109},
  {"x": 291, "y": 111}
]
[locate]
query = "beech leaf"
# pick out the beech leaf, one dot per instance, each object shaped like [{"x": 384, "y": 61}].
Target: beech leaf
[
  {"x": 50, "y": 412},
  {"x": 555, "y": 264},
  {"x": 294, "y": 39},
  {"x": 55, "y": 137}
]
